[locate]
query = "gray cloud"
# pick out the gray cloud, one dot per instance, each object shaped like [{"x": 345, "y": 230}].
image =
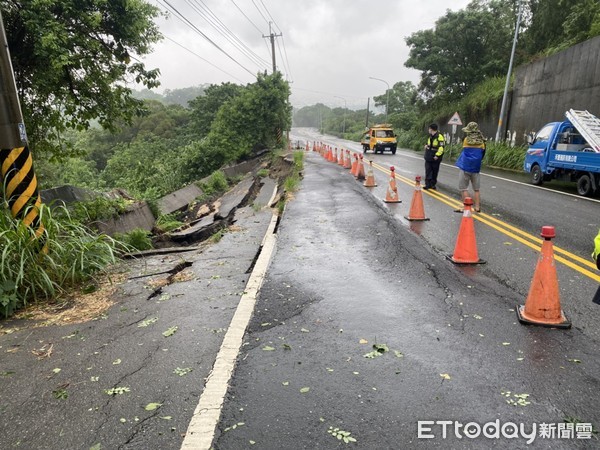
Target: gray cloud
[{"x": 332, "y": 46}]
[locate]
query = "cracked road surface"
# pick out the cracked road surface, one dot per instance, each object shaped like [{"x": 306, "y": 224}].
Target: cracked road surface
[
  {"x": 156, "y": 344},
  {"x": 347, "y": 275}
]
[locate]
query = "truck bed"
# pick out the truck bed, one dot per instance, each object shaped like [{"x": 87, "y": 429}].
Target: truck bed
[{"x": 582, "y": 161}]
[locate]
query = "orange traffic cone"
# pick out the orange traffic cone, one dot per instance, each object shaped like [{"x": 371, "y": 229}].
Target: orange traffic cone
[
  {"x": 360, "y": 169},
  {"x": 334, "y": 159},
  {"x": 391, "y": 195},
  {"x": 417, "y": 211},
  {"x": 354, "y": 167},
  {"x": 542, "y": 306},
  {"x": 307, "y": 147},
  {"x": 329, "y": 154},
  {"x": 465, "y": 251},
  {"x": 347, "y": 161},
  {"x": 341, "y": 160},
  {"x": 370, "y": 181}
]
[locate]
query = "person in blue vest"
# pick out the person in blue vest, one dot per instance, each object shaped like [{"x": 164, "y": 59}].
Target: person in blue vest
[
  {"x": 469, "y": 163},
  {"x": 434, "y": 151}
]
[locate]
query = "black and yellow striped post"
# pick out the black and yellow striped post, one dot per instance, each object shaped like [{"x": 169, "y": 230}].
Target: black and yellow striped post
[{"x": 19, "y": 184}]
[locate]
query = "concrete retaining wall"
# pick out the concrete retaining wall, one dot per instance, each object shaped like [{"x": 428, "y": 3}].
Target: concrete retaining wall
[
  {"x": 138, "y": 215},
  {"x": 67, "y": 194},
  {"x": 542, "y": 92},
  {"x": 179, "y": 200},
  {"x": 545, "y": 89}
]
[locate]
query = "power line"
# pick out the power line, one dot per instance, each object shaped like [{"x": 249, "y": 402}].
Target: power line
[
  {"x": 286, "y": 63},
  {"x": 203, "y": 59},
  {"x": 210, "y": 17},
  {"x": 270, "y": 16},
  {"x": 197, "y": 30},
  {"x": 286, "y": 57},
  {"x": 260, "y": 12},
  {"x": 253, "y": 24},
  {"x": 244, "y": 14}
]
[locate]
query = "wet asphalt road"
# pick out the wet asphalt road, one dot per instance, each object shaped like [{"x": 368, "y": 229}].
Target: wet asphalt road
[
  {"x": 520, "y": 205},
  {"x": 350, "y": 273}
]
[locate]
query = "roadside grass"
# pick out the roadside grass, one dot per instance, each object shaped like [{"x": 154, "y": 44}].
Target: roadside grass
[
  {"x": 167, "y": 222},
  {"x": 138, "y": 239},
  {"x": 36, "y": 269}
]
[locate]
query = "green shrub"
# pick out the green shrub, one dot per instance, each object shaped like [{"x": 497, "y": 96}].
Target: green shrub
[
  {"x": 505, "y": 156},
  {"x": 71, "y": 254},
  {"x": 100, "y": 208},
  {"x": 167, "y": 222},
  {"x": 263, "y": 173},
  {"x": 291, "y": 183},
  {"x": 299, "y": 160},
  {"x": 216, "y": 184},
  {"x": 137, "y": 239}
]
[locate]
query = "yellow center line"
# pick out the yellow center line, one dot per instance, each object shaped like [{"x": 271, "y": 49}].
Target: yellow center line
[{"x": 509, "y": 230}]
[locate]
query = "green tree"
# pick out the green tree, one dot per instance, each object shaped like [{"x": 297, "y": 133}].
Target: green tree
[
  {"x": 205, "y": 107},
  {"x": 72, "y": 60},
  {"x": 402, "y": 112},
  {"x": 183, "y": 96},
  {"x": 559, "y": 24},
  {"x": 464, "y": 48},
  {"x": 253, "y": 120}
]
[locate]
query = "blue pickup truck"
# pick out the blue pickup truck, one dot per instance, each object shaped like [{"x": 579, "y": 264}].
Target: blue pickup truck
[{"x": 567, "y": 151}]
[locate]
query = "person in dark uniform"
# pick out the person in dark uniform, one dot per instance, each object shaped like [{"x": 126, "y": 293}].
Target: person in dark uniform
[{"x": 434, "y": 151}]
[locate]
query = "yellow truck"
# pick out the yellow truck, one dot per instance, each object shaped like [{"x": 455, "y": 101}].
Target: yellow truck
[{"x": 379, "y": 138}]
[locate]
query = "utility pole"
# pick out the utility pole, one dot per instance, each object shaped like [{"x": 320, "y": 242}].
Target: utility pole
[
  {"x": 19, "y": 184},
  {"x": 368, "y": 102},
  {"x": 510, "y": 64},
  {"x": 272, "y": 37}
]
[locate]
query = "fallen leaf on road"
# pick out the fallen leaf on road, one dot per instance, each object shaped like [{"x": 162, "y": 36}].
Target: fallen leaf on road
[
  {"x": 147, "y": 322},
  {"x": 116, "y": 362},
  {"x": 268, "y": 348},
  {"x": 445, "y": 376},
  {"x": 152, "y": 406},
  {"x": 506, "y": 343},
  {"x": 577, "y": 361},
  {"x": 170, "y": 332},
  {"x": 398, "y": 354},
  {"x": 304, "y": 390},
  {"x": 181, "y": 372},
  {"x": 304, "y": 330},
  {"x": 117, "y": 390},
  {"x": 363, "y": 341},
  {"x": 285, "y": 383},
  {"x": 56, "y": 370}
]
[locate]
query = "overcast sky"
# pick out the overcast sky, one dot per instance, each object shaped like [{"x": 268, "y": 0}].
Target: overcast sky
[{"x": 329, "y": 48}]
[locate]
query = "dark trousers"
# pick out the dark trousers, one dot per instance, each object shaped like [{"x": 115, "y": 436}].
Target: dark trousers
[{"x": 432, "y": 168}]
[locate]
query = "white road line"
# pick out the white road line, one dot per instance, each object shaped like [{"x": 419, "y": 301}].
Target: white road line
[{"x": 201, "y": 431}]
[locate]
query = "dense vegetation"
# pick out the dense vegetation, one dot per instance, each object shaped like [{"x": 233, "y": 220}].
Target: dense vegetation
[
  {"x": 463, "y": 62},
  {"x": 170, "y": 145}
]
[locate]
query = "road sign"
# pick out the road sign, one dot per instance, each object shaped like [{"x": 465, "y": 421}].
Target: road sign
[{"x": 455, "y": 119}]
